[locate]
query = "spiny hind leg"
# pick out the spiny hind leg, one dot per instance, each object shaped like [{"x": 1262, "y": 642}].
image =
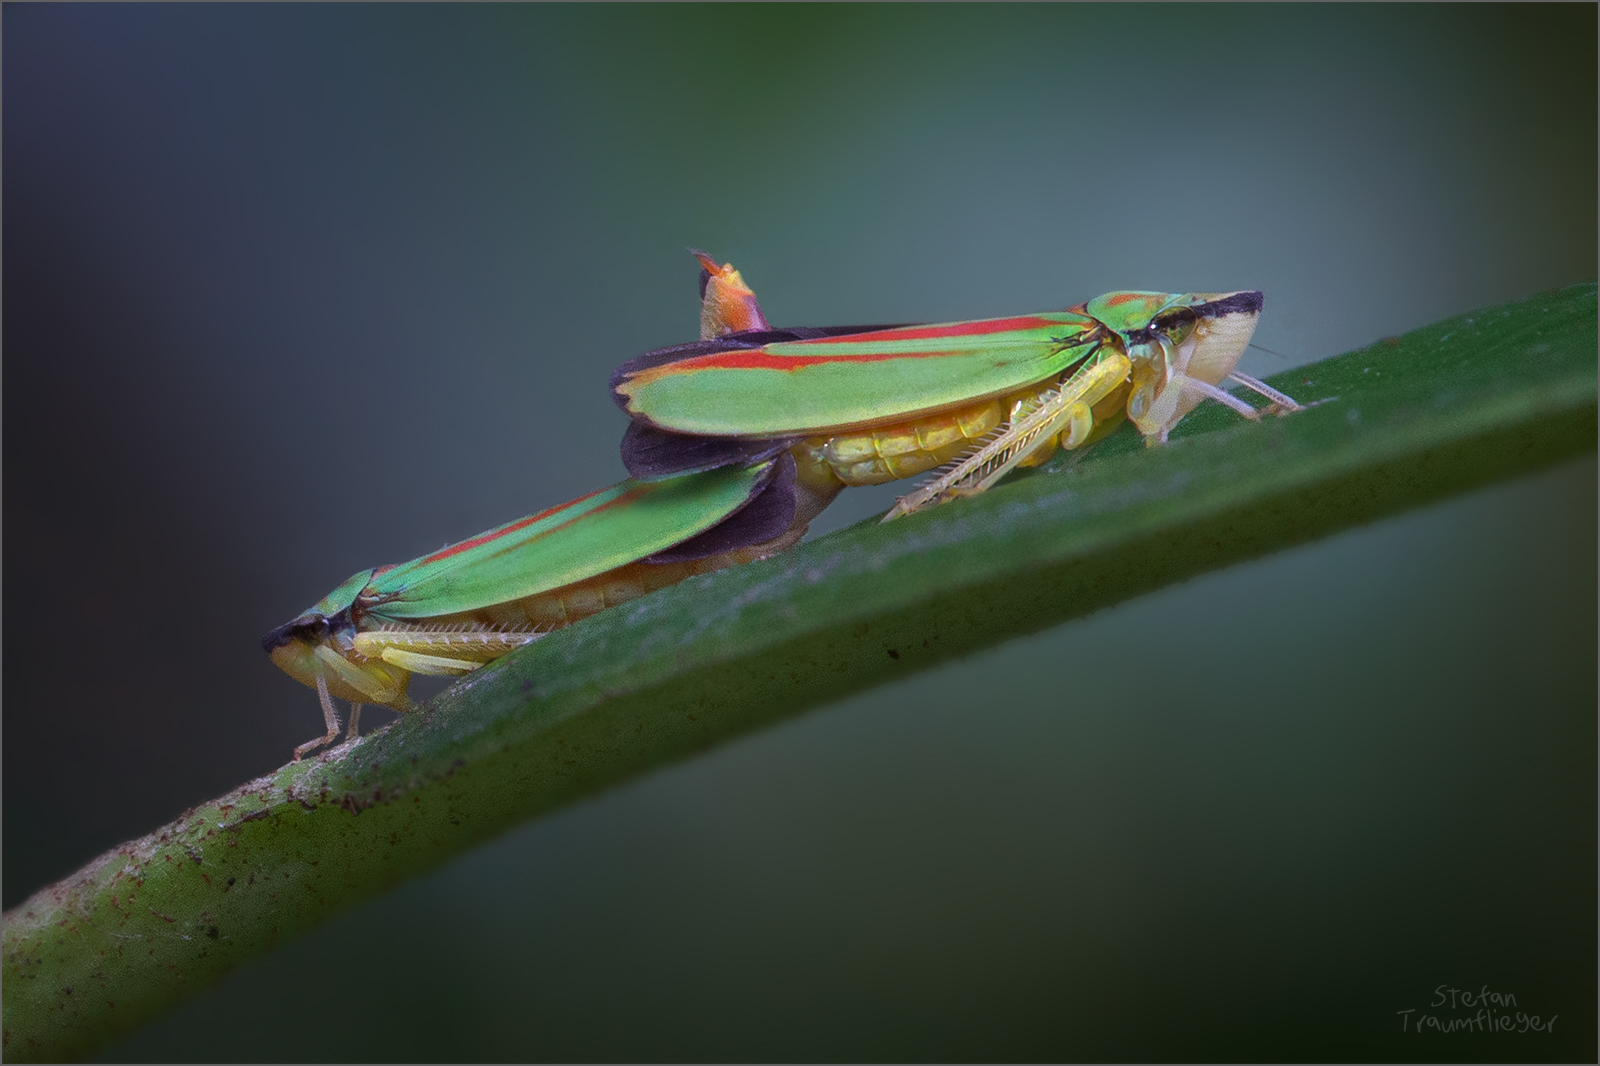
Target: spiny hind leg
[
  {"x": 974, "y": 472},
  {"x": 1063, "y": 414},
  {"x": 446, "y": 650},
  {"x": 1078, "y": 422},
  {"x": 330, "y": 718}
]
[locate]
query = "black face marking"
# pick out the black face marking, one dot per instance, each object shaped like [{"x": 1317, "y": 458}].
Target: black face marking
[
  {"x": 1246, "y": 303},
  {"x": 275, "y": 639},
  {"x": 767, "y": 514},
  {"x": 310, "y": 628}
]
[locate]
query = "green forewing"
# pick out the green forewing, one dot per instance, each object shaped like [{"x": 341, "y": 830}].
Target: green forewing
[
  {"x": 343, "y": 596},
  {"x": 577, "y": 540},
  {"x": 809, "y": 386}
]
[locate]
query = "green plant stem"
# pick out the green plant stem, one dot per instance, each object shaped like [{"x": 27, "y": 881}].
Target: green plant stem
[{"x": 1496, "y": 393}]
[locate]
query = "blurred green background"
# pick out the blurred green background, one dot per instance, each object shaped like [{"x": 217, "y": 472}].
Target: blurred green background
[{"x": 295, "y": 290}]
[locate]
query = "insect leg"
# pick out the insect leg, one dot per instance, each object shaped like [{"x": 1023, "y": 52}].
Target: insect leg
[
  {"x": 352, "y": 675},
  {"x": 445, "y": 648},
  {"x": 1065, "y": 412},
  {"x": 994, "y": 459},
  {"x": 1227, "y": 399},
  {"x": 1284, "y": 403},
  {"x": 431, "y": 665},
  {"x": 353, "y": 730},
  {"x": 330, "y": 718}
]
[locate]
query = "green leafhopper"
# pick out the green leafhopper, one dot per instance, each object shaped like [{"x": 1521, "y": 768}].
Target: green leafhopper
[
  {"x": 453, "y": 610},
  {"x": 861, "y": 405}
]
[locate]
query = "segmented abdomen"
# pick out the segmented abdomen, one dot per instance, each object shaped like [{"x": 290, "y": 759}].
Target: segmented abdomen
[{"x": 905, "y": 449}]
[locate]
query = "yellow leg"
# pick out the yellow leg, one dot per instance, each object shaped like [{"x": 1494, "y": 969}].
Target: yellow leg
[
  {"x": 375, "y": 688},
  {"x": 430, "y": 665},
  {"x": 1080, "y": 423}
]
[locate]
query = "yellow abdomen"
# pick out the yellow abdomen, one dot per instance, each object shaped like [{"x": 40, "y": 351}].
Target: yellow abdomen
[{"x": 905, "y": 449}]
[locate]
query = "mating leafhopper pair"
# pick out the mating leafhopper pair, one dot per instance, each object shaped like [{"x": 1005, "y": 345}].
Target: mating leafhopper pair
[{"x": 737, "y": 440}]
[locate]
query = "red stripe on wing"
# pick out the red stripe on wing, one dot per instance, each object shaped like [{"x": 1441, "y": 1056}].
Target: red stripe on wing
[
  {"x": 485, "y": 538},
  {"x": 763, "y": 359}
]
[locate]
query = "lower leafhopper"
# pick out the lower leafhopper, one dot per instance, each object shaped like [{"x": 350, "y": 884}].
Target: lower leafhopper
[{"x": 467, "y": 604}]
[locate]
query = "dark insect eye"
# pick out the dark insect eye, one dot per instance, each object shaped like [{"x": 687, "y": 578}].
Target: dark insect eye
[{"x": 1173, "y": 324}]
